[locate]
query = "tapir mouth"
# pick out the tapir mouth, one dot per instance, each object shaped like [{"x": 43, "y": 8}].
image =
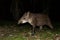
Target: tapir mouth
[
  {"x": 21, "y": 22},
  {"x": 24, "y": 21}
]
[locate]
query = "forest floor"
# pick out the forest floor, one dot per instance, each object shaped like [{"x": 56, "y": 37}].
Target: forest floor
[{"x": 11, "y": 31}]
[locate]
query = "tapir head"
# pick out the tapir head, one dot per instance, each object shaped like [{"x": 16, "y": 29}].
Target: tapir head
[{"x": 24, "y": 18}]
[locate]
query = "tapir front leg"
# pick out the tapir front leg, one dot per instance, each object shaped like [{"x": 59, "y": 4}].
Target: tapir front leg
[{"x": 33, "y": 31}]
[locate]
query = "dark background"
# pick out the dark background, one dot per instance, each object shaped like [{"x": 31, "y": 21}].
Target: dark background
[{"x": 36, "y": 6}]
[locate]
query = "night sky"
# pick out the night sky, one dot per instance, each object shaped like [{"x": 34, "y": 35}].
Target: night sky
[{"x": 31, "y": 5}]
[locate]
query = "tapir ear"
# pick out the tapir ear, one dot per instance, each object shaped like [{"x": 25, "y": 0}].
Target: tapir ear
[
  {"x": 28, "y": 13},
  {"x": 25, "y": 14}
]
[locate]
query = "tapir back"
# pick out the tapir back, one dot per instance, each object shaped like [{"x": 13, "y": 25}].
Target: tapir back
[{"x": 40, "y": 19}]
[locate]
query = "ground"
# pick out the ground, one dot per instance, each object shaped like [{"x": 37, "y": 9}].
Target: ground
[{"x": 11, "y": 31}]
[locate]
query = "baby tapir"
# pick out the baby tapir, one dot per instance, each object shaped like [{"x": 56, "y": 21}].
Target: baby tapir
[{"x": 36, "y": 20}]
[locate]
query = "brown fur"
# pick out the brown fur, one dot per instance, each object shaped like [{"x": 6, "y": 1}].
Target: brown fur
[{"x": 36, "y": 19}]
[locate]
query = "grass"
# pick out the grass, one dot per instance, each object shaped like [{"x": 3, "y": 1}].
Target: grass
[{"x": 10, "y": 31}]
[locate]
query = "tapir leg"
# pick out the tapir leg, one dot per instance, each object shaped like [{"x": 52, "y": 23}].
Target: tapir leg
[
  {"x": 41, "y": 27},
  {"x": 50, "y": 25},
  {"x": 33, "y": 31}
]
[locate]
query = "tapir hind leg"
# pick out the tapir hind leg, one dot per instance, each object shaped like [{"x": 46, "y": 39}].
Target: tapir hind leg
[
  {"x": 50, "y": 25},
  {"x": 41, "y": 27}
]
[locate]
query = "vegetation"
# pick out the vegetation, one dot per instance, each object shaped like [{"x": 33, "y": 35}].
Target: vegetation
[{"x": 11, "y": 31}]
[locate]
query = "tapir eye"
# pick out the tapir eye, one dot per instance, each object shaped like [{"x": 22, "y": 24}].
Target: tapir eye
[{"x": 24, "y": 18}]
